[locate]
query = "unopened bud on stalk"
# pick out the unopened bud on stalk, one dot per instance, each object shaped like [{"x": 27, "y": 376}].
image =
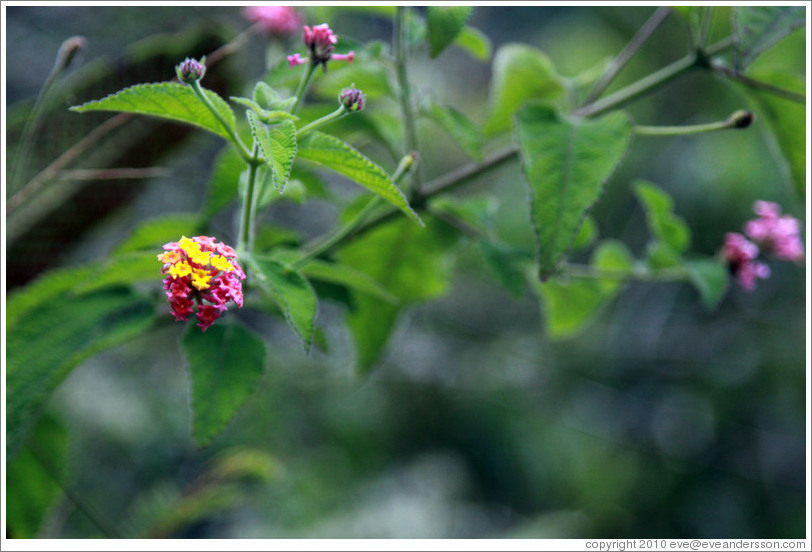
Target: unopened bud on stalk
[
  {"x": 742, "y": 119},
  {"x": 190, "y": 70},
  {"x": 352, "y": 99},
  {"x": 68, "y": 51}
]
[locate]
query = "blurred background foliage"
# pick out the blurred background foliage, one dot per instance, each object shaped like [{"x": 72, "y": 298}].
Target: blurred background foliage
[{"x": 659, "y": 420}]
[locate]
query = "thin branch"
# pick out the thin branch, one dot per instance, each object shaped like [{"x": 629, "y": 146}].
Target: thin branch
[
  {"x": 722, "y": 69},
  {"x": 407, "y": 114},
  {"x": 114, "y": 174},
  {"x": 642, "y": 35}
]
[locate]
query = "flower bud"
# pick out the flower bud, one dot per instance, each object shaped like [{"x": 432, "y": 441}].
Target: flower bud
[
  {"x": 190, "y": 70},
  {"x": 352, "y": 99}
]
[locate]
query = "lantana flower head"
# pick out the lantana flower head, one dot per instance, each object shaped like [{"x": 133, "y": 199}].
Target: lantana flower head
[
  {"x": 741, "y": 255},
  {"x": 274, "y": 20},
  {"x": 778, "y": 234},
  {"x": 190, "y": 70},
  {"x": 320, "y": 41},
  {"x": 203, "y": 273}
]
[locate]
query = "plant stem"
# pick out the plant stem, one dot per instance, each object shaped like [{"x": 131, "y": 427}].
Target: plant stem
[
  {"x": 337, "y": 114},
  {"x": 739, "y": 119},
  {"x": 756, "y": 84},
  {"x": 641, "y": 274},
  {"x": 626, "y": 54},
  {"x": 304, "y": 84},
  {"x": 246, "y": 243},
  {"x": 652, "y": 81},
  {"x": 406, "y": 112},
  {"x": 243, "y": 151}
]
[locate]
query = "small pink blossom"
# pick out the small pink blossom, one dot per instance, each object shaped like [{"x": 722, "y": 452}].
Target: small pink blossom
[
  {"x": 320, "y": 41},
  {"x": 780, "y": 235},
  {"x": 201, "y": 271},
  {"x": 349, "y": 57},
  {"x": 296, "y": 59},
  {"x": 741, "y": 255},
  {"x": 274, "y": 20}
]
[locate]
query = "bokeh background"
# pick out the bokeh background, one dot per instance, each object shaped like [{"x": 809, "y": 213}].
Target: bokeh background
[{"x": 659, "y": 420}]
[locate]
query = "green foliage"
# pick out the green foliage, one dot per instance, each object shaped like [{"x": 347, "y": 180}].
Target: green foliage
[
  {"x": 570, "y": 304},
  {"x": 474, "y": 42},
  {"x": 365, "y": 73},
  {"x": 224, "y": 362},
  {"x": 459, "y": 128},
  {"x": 278, "y": 146},
  {"x": 710, "y": 278},
  {"x": 223, "y": 185},
  {"x": 31, "y": 486},
  {"x": 444, "y": 23},
  {"x": 663, "y": 224},
  {"x": 520, "y": 73},
  {"x": 51, "y": 339},
  {"x": 166, "y": 100},
  {"x": 153, "y": 233},
  {"x": 342, "y": 158},
  {"x": 757, "y": 28},
  {"x": 126, "y": 268},
  {"x": 786, "y": 121},
  {"x": 406, "y": 260},
  {"x": 46, "y": 288},
  {"x": 566, "y": 163},
  {"x": 291, "y": 291}
]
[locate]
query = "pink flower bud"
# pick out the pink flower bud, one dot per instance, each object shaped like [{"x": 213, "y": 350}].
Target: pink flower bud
[
  {"x": 741, "y": 255},
  {"x": 190, "y": 70},
  {"x": 352, "y": 99},
  {"x": 296, "y": 59},
  {"x": 274, "y": 20}
]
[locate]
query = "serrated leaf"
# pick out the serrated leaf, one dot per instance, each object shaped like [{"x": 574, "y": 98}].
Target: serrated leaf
[
  {"x": 278, "y": 146},
  {"x": 757, "y": 28},
  {"x": 48, "y": 341},
  {"x": 291, "y": 291},
  {"x": 710, "y": 278},
  {"x": 167, "y": 100},
  {"x": 31, "y": 487},
  {"x": 787, "y": 122},
  {"x": 267, "y": 116},
  {"x": 45, "y": 288},
  {"x": 587, "y": 234},
  {"x": 342, "y": 158},
  {"x": 571, "y": 304},
  {"x": 662, "y": 223},
  {"x": 475, "y": 42},
  {"x": 444, "y": 23},
  {"x": 407, "y": 261},
  {"x": 224, "y": 362},
  {"x": 154, "y": 233},
  {"x": 223, "y": 186},
  {"x": 126, "y": 268},
  {"x": 459, "y": 128},
  {"x": 520, "y": 73},
  {"x": 566, "y": 163}
]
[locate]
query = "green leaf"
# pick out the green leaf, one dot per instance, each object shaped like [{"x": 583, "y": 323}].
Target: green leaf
[
  {"x": 407, "y": 261},
  {"x": 291, "y": 291},
  {"x": 167, "y": 100},
  {"x": 710, "y": 278},
  {"x": 155, "y": 232},
  {"x": 459, "y": 128},
  {"x": 477, "y": 211},
  {"x": 506, "y": 264},
  {"x": 444, "y": 24},
  {"x": 126, "y": 268},
  {"x": 278, "y": 146},
  {"x": 661, "y": 255},
  {"x": 342, "y": 158},
  {"x": 224, "y": 362},
  {"x": 46, "y": 288},
  {"x": 571, "y": 304},
  {"x": 787, "y": 122},
  {"x": 48, "y": 341},
  {"x": 662, "y": 223},
  {"x": 475, "y": 42},
  {"x": 520, "y": 73},
  {"x": 267, "y": 116},
  {"x": 31, "y": 487},
  {"x": 370, "y": 76},
  {"x": 757, "y": 28},
  {"x": 587, "y": 234},
  {"x": 566, "y": 163},
  {"x": 225, "y": 178}
]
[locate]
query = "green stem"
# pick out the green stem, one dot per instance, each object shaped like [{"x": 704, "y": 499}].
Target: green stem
[
  {"x": 246, "y": 243},
  {"x": 337, "y": 114},
  {"x": 739, "y": 119},
  {"x": 641, "y": 274},
  {"x": 304, "y": 84},
  {"x": 228, "y": 128},
  {"x": 407, "y": 114},
  {"x": 757, "y": 84},
  {"x": 653, "y": 81},
  {"x": 626, "y": 54}
]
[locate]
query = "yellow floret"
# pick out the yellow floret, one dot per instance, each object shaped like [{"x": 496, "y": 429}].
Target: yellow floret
[
  {"x": 200, "y": 257},
  {"x": 181, "y": 269},
  {"x": 169, "y": 257},
  {"x": 221, "y": 263},
  {"x": 191, "y": 247},
  {"x": 200, "y": 279}
]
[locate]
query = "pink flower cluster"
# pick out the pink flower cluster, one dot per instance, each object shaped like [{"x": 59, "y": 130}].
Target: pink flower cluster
[
  {"x": 321, "y": 41},
  {"x": 778, "y": 235},
  {"x": 201, "y": 269},
  {"x": 274, "y": 20}
]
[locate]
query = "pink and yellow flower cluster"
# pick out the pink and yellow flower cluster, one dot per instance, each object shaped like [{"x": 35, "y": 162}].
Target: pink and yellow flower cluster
[{"x": 201, "y": 269}]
